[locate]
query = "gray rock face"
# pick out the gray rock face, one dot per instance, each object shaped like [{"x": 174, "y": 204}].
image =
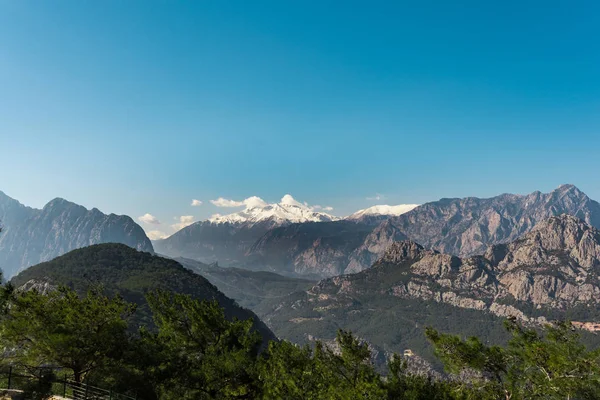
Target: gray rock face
[
  {"x": 42, "y": 286},
  {"x": 31, "y": 236},
  {"x": 555, "y": 266},
  {"x": 468, "y": 226},
  {"x": 374, "y": 245},
  {"x": 465, "y": 227}
]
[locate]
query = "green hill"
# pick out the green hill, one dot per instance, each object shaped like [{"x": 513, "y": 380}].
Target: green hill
[{"x": 121, "y": 269}]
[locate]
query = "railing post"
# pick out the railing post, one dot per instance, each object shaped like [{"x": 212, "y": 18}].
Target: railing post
[
  {"x": 87, "y": 387},
  {"x": 9, "y": 376},
  {"x": 110, "y": 394},
  {"x": 65, "y": 386}
]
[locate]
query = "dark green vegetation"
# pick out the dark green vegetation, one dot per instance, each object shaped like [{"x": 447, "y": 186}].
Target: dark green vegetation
[
  {"x": 551, "y": 272},
  {"x": 195, "y": 352},
  {"x": 123, "y": 270},
  {"x": 259, "y": 291},
  {"x": 366, "y": 307},
  {"x": 60, "y": 328},
  {"x": 390, "y": 324},
  {"x": 549, "y": 365}
]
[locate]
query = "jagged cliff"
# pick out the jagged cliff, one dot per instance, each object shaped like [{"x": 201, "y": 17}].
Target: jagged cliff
[
  {"x": 555, "y": 266},
  {"x": 551, "y": 272},
  {"x": 323, "y": 248},
  {"x": 30, "y": 236},
  {"x": 467, "y": 226}
]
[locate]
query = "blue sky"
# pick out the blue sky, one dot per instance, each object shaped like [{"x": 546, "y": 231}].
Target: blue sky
[{"x": 139, "y": 107}]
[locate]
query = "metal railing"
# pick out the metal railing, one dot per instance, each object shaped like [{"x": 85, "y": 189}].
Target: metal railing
[
  {"x": 82, "y": 391},
  {"x": 13, "y": 378}
]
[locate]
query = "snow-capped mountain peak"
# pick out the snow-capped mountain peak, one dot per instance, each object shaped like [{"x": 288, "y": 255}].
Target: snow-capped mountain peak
[
  {"x": 288, "y": 210},
  {"x": 383, "y": 210}
]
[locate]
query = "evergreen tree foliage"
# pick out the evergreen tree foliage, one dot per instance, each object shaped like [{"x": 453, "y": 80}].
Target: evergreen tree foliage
[
  {"x": 202, "y": 355},
  {"x": 64, "y": 330},
  {"x": 549, "y": 365},
  {"x": 345, "y": 372}
]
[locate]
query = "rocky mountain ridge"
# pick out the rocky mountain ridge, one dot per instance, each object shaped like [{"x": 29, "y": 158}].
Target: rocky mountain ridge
[
  {"x": 555, "y": 266},
  {"x": 31, "y": 236},
  {"x": 227, "y": 238},
  {"x": 462, "y": 227},
  {"x": 467, "y": 226},
  {"x": 552, "y": 272}
]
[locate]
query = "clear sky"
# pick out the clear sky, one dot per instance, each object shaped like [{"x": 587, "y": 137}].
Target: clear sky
[{"x": 139, "y": 107}]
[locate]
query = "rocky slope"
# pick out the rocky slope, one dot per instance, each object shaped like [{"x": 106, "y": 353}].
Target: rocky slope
[
  {"x": 551, "y": 272},
  {"x": 210, "y": 242},
  {"x": 467, "y": 226},
  {"x": 31, "y": 236}
]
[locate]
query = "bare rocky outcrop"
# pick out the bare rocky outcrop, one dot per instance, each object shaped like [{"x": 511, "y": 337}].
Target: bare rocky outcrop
[
  {"x": 42, "y": 286},
  {"x": 376, "y": 243},
  {"x": 556, "y": 267},
  {"x": 315, "y": 249},
  {"x": 468, "y": 226}
]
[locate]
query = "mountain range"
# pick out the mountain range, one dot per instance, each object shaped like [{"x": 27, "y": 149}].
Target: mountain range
[
  {"x": 460, "y": 265},
  {"x": 227, "y": 238},
  {"x": 551, "y": 272},
  {"x": 30, "y": 236},
  {"x": 323, "y": 247}
]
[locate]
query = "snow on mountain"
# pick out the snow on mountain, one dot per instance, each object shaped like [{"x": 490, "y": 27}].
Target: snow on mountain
[
  {"x": 288, "y": 210},
  {"x": 383, "y": 210}
]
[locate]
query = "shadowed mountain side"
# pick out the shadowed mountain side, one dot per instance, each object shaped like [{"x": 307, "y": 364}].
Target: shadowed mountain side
[
  {"x": 31, "y": 236},
  {"x": 259, "y": 291}
]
